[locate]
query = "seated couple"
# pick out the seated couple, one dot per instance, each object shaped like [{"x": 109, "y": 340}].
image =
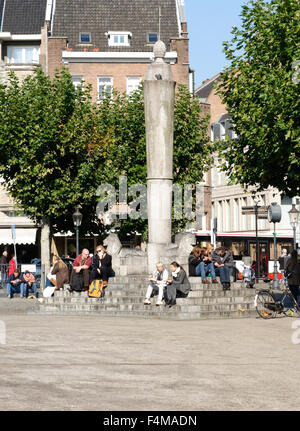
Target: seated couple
[
  {"x": 168, "y": 289},
  {"x": 87, "y": 269},
  {"x": 219, "y": 262},
  {"x": 21, "y": 283}
]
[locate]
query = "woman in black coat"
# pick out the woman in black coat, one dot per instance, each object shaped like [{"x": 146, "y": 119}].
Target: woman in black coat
[
  {"x": 101, "y": 266},
  {"x": 293, "y": 269},
  {"x": 177, "y": 287}
]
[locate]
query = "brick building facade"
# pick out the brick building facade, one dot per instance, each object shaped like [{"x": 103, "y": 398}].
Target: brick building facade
[{"x": 107, "y": 43}]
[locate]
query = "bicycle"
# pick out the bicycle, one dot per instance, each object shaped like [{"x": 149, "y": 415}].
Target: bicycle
[{"x": 267, "y": 306}]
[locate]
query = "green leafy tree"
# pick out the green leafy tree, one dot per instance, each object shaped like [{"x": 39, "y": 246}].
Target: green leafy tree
[
  {"x": 57, "y": 147},
  {"x": 261, "y": 91},
  {"x": 49, "y": 149}
]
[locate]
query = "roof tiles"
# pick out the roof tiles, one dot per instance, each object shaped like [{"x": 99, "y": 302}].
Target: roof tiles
[
  {"x": 24, "y": 16},
  {"x": 97, "y": 17}
]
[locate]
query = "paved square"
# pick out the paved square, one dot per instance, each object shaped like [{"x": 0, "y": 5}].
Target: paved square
[{"x": 101, "y": 363}]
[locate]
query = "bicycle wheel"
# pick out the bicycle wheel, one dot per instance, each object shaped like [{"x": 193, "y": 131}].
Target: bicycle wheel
[{"x": 265, "y": 304}]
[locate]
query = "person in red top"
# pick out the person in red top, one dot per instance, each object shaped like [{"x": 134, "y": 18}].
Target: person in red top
[
  {"x": 12, "y": 265},
  {"x": 81, "y": 271}
]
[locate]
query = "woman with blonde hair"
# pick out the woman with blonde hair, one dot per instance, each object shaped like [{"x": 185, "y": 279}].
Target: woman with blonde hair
[{"x": 61, "y": 272}]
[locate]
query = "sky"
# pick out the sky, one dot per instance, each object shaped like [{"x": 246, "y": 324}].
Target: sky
[{"x": 209, "y": 24}]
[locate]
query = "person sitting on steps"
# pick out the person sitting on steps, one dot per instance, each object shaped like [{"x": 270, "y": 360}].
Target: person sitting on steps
[
  {"x": 223, "y": 262},
  {"x": 206, "y": 266},
  {"x": 177, "y": 287},
  {"x": 200, "y": 264},
  {"x": 158, "y": 281},
  {"x": 61, "y": 272},
  {"x": 29, "y": 284},
  {"x": 101, "y": 266},
  {"x": 80, "y": 275},
  {"x": 15, "y": 284}
]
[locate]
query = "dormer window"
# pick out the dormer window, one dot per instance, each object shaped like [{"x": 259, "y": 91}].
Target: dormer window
[
  {"x": 152, "y": 37},
  {"x": 85, "y": 38},
  {"x": 118, "y": 38}
]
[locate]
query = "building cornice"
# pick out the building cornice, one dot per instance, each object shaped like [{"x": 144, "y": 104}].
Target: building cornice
[
  {"x": 114, "y": 57},
  {"x": 19, "y": 37}
]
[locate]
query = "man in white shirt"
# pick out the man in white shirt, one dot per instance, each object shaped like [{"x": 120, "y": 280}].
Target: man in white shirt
[{"x": 158, "y": 282}]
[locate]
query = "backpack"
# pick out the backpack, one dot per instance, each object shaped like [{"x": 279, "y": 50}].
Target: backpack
[{"x": 96, "y": 289}]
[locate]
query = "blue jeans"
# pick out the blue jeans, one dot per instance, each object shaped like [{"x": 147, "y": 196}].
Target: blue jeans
[
  {"x": 26, "y": 289},
  {"x": 224, "y": 273},
  {"x": 48, "y": 283},
  {"x": 204, "y": 268},
  {"x": 15, "y": 288}
]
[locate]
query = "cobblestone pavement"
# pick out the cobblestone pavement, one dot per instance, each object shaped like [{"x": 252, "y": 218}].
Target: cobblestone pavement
[{"x": 104, "y": 363}]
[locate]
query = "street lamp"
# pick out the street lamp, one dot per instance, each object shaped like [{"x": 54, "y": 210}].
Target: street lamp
[
  {"x": 257, "y": 257},
  {"x": 274, "y": 216},
  {"x": 294, "y": 219},
  {"x": 77, "y": 219}
]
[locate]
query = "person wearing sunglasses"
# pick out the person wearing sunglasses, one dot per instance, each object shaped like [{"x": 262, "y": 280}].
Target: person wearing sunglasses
[{"x": 101, "y": 266}]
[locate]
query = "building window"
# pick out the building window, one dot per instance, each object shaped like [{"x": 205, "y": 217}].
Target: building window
[
  {"x": 133, "y": 83},
  {"x": 223, "y": 131},
  {"x": 78, "y": 81},
  {"x": 85, "y": 38},
  {"x": 152, "y": 37},
  {"x": 105, "y": 87},
  {"x": 121, "y": 38},
  {"x": 23, "y": 54}
]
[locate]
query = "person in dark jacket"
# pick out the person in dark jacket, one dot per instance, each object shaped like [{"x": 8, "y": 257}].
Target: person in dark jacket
[
  {"x": 178, "y": 287},
  {"x": 223, "y": 262},
  {"x": 293, "y": 268},
  {"x": 200, "y": 264},
  {"x": 194, "y": 260},
  {"x": 101, "y": 266},
  {"x": 15, "y": 284}
]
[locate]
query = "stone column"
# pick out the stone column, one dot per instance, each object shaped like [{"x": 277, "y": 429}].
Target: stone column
[{"x": 159, "y": 92}]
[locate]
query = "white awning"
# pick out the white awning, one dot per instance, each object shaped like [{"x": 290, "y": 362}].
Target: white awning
[{"x": 23, "y": 236}]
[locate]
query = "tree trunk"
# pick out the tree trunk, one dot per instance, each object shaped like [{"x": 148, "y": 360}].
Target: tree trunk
[{"x": 45, "y": 250}]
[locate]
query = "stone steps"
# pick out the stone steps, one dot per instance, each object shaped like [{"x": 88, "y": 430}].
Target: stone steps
[
  {"x": 109, "y": 299},
  {"x": 174, "y": 314},
  {"x": 124, "y": 296},
  {"x": 98, "y": 305}
]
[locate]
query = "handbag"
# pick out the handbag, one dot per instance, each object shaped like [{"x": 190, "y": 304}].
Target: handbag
[{"x": 77, "y": 281}]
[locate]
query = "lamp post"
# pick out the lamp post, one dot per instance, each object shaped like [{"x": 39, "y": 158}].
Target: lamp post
[
  {"x": 77, "y": 219},
  {"x": 257, "y": 268},
  {"x": 294, "y": 219},
  {"x": 274, "y": 216}
]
